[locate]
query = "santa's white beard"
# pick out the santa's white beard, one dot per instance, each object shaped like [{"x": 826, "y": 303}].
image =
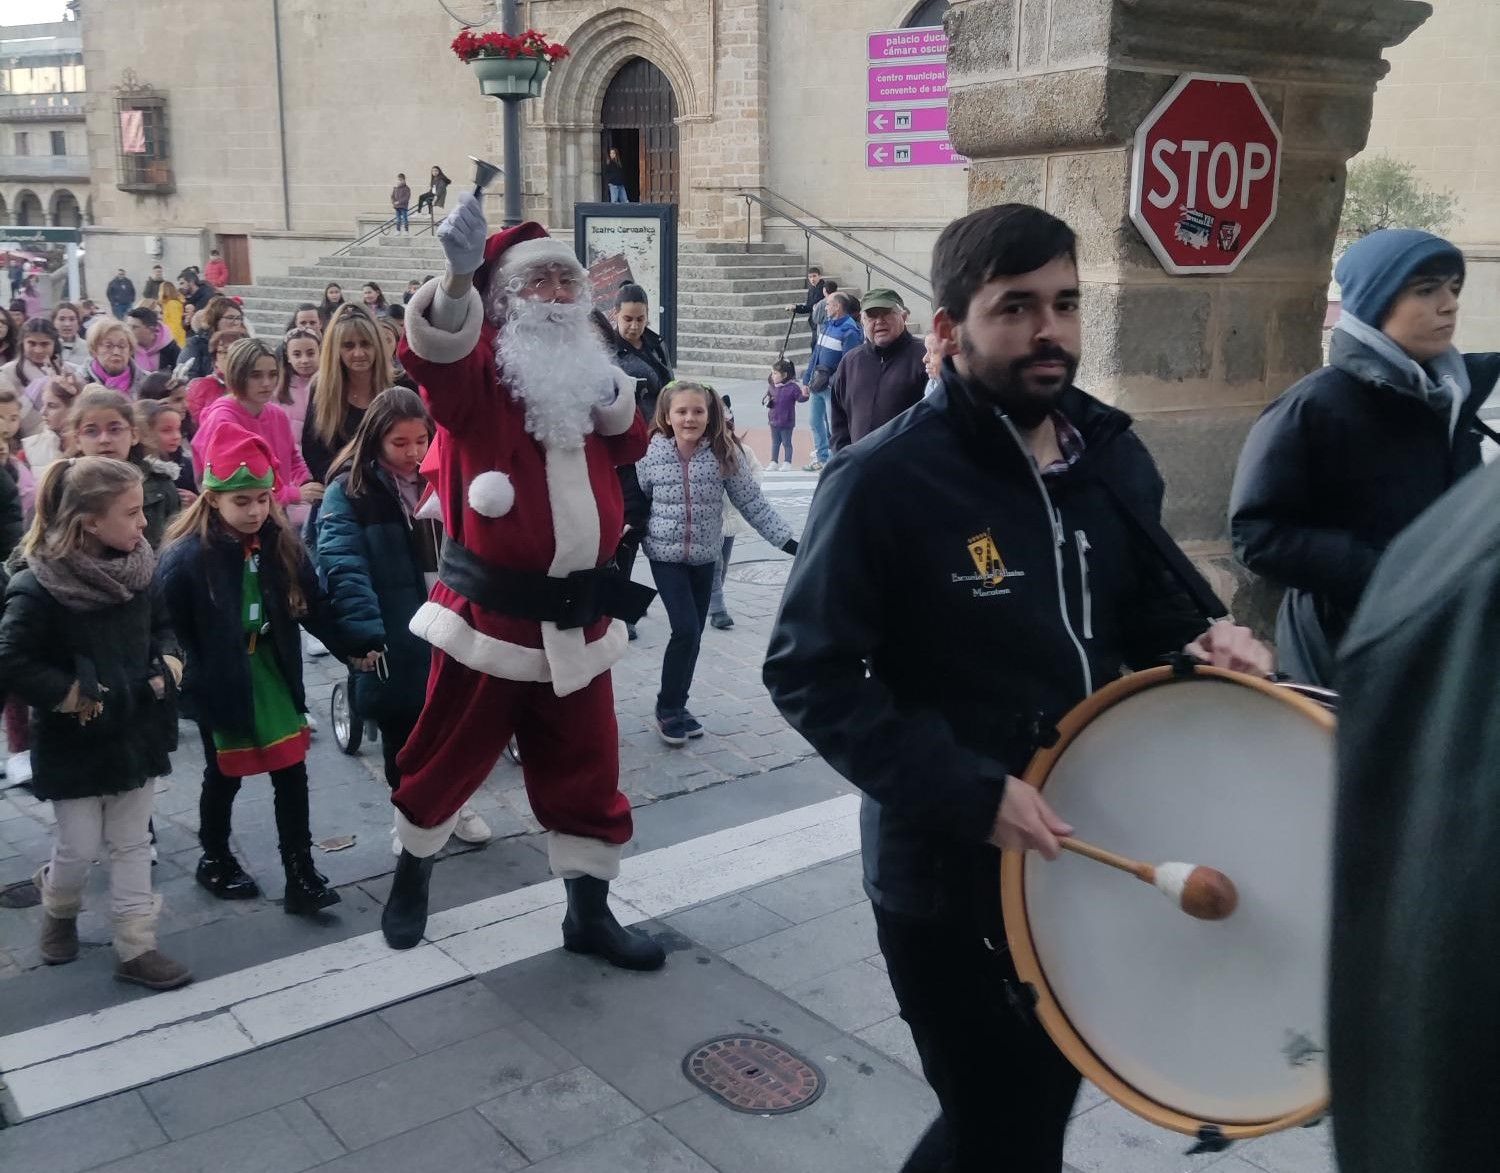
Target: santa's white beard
[{"x": 552, "y": 359}]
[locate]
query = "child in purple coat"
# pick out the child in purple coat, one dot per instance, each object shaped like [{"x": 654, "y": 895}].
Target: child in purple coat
[{"x": 782, "y": 396}]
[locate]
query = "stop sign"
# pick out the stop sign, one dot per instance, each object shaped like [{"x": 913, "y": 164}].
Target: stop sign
[{"x": 1204, "y": 174}]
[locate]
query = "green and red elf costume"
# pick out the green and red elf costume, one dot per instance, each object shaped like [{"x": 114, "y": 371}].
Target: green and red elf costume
[{"x": 237, "y": 605}]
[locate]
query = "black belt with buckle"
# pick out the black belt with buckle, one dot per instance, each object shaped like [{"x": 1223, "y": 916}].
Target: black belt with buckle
[{"x": 575, "y": 601}]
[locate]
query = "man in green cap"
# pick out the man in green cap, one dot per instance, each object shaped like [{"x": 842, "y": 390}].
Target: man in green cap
[{"x": 882, "y": 377}]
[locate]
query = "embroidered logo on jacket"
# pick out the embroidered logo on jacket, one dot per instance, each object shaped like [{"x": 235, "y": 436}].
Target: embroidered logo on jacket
[{"x": 989, "y": 566}]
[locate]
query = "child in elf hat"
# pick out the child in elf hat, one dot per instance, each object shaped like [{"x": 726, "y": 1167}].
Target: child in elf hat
[
  {"x": 238, "y": 583},
  {"x": 86, "y": 640}
]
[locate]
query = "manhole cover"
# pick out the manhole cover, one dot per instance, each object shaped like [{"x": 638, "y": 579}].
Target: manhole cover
[
  {"x": 752, "y": 1074},
  {"x": 762, "y": 573},
  {"x": 22, "y": 895}
]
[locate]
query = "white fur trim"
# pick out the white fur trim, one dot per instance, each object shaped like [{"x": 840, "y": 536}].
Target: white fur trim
[
  {"x": 435, "y": 345},
  {"x": 614, "y": 419},
  {"x": 424, "y": 841},
  {"x": 575, "y": 513},
  {"x": 568, "y": 664},
  {"x": 430, "y": 509},
  {"x": 134, "y": 936},
  {"x": 491, "y": 494},
  {"x": 546, "y": 251},
  {"x": 572, "y": 856}
]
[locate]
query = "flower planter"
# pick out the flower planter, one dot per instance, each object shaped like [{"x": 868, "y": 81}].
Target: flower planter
[{"x": 503, "y": 77}]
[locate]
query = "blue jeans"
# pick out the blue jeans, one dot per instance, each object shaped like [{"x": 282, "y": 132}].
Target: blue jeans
[
  {"x": 781, "y": 440},
  {"x": 721, "y": 567},
  {"x": 618, "y": 194},
  {"x": 401, "y": 220},
  {"x": 820, "y": 426},
  {"x": 684, "y": 592}
]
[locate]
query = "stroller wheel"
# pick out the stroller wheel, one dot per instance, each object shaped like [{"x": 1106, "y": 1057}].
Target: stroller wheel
[
  {"x": 348, "y": 730},
  {"x": 513, "y": 751}
]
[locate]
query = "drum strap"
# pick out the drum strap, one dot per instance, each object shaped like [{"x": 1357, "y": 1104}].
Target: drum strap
[{"x": 1170, "y": 553}]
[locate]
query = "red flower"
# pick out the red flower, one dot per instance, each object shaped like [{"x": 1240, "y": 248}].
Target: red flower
[{"x": 469, "y": 45}]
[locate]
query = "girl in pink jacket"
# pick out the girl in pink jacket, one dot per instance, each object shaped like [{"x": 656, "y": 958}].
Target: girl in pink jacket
[{"x": 251, "y": 376}]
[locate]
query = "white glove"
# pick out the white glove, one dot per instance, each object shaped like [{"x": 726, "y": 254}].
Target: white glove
[{"x": 462, "y": 235}]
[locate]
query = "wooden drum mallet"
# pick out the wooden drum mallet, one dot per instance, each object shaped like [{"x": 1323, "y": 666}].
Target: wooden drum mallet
[{"x": 1205, "y": 893}]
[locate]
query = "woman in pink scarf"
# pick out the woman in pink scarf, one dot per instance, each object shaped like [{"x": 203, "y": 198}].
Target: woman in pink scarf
[
  {"x": 111, "y": 347},
  {"x": 155, "y": 348}
]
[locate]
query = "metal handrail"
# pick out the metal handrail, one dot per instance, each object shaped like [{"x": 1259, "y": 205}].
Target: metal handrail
[
  {"x": 916, "y": 283},
  {"x": 379, "y": 230}
]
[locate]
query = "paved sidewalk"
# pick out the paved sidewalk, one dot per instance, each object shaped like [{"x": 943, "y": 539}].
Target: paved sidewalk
[
  {"x": 746, "y": 737},
  {"x": 562, "y": 1064}
]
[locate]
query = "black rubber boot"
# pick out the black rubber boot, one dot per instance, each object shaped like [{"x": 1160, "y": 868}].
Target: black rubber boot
[
  {"x": 222, "y": 875},
  {"x": 590, "y": 927},
  {"x": 307, "y": 890},
  {"x": 405, "y": 917}
]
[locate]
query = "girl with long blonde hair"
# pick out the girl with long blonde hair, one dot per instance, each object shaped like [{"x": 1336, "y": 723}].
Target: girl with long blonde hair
[
  {"x": 352, "y": 370},
  {"x": 86, "y": 642}
]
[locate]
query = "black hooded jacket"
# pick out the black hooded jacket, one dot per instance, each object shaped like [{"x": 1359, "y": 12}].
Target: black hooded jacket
[
  {"x": 985, "y": 602},
  {"x": 1332, "y": 471},
  {"x": 1414, "y": 1052}
]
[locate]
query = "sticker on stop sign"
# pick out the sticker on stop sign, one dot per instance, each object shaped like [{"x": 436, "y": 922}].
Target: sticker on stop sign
[{"x": 1205, "y": 173}]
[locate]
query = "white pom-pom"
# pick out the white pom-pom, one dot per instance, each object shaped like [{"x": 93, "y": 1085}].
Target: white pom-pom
[{"x": 491, "y": 494}]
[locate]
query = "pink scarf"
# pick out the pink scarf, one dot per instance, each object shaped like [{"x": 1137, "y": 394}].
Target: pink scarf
[{"x": 120, "y": 382}]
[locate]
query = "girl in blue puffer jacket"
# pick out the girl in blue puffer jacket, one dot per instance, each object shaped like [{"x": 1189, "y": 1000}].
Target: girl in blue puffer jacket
[
  {"x": 693, "y": 461},
  {"x": 378, "y": 560}
]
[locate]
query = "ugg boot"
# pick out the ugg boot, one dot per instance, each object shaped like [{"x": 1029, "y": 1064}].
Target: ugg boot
[
  {"x": 140, "y": 962},
  {"x": 221, "y": 874},
  {"x": 590, "y": 927},
  {"x": 307, "y": 890},
  {"x": 59, "y": 943},
  {"x": 405, "y": 917}
]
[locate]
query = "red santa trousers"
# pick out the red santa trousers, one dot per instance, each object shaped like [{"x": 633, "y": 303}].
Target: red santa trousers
[{"x": 570, "y": 754}]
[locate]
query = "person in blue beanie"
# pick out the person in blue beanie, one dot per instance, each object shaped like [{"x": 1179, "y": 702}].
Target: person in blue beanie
[{"x": 1348, "y": 457}]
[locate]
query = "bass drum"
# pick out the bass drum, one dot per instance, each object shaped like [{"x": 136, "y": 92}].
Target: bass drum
[{"x": 1207, "y": 1028}]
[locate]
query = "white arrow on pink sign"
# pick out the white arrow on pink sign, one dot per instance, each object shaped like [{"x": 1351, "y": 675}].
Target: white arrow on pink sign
[
  {"x": 912, "y": 120},
  {"x": 931, "y": 152}
]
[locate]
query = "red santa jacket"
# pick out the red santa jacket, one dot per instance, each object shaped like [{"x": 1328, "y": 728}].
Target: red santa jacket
[{"x": 516, "y": 503}]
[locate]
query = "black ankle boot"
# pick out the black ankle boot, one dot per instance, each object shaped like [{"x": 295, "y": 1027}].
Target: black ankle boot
[
  {"x": 222, "y": 875},
  {"x": 405, "y": 917},
  {"x": 590, "y": 927},
  {"x": 307, "y": 890}
]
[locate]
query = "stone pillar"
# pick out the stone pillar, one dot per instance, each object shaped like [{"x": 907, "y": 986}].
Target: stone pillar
[{"x": 1046, "y": 96}]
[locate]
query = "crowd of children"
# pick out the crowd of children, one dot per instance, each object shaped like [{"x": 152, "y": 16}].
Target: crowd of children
[{"x": 176, "y": 528}]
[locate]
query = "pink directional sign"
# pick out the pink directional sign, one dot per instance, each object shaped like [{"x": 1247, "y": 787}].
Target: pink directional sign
[
  {"x": 931, "y": 152},
  {"x": 904, "y": 44},
  {"x": 913, "y": 120},
  {"x": 927, "y": 81}
]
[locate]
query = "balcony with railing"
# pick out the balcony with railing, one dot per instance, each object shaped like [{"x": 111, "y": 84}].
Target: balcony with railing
[
  {"x": 15, "y": 167},
  {"x": 38, "y": 106}
]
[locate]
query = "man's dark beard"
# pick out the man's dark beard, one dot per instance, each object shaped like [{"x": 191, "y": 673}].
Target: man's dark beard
[{"x": 1003, "y": 385}]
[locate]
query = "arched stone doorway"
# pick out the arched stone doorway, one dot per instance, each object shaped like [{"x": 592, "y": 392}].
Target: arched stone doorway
[
  {"x": 65, "y": 210},
  {"x": 29, "y": 210},
  {"x": 4, "y": 219},
  {"x": 639, "y": 119},
  {"x": 926, "y": 14}
]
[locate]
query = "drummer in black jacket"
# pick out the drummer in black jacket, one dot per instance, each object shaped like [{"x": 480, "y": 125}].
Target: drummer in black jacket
[{"x": 967, "y": 576}]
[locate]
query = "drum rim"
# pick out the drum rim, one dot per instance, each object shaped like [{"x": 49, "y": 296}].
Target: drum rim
[{"x": 1018, "y": 923}]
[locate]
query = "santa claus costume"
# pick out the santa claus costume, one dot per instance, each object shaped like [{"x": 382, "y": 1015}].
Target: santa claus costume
[{"x": 527, "y": 615}]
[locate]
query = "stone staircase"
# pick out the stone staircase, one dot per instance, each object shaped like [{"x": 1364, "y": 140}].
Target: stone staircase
[{"x": 732, "y": 298}]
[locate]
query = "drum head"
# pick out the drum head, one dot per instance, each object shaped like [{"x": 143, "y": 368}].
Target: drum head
[{"x": 1187, "y": 1022}]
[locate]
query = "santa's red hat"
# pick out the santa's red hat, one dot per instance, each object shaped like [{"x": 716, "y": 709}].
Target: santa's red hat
[
  {"x": 237, "y": 460},
  {"x": 513, "y": 250}
]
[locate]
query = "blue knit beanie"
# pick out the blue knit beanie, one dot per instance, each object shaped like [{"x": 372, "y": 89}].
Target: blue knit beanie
[{"x": 1375, "y": 267}]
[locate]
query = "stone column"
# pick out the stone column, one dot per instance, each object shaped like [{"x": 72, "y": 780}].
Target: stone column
[{"x": 1046, "y": 96}]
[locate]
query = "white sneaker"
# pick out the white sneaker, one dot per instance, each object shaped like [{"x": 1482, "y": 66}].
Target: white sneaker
[
  {"x": 18, "y": 768},
  {"x": 471, "y": 828},
  {"x": 312, "y": 723}
]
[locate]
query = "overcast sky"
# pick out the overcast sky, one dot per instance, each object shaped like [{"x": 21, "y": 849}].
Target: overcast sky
[{"x": 31, "y": 11}]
